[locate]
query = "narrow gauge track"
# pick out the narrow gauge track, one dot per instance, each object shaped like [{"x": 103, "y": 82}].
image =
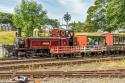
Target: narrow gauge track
[
  {"x": 26, "y": 61},
  {"x": 16, "y": 65},
  {"x": 119, "y": 73},
  {"x": 14, "y": 61}
]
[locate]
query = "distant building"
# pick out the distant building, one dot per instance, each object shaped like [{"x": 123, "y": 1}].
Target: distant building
[{"x": 6, "y": 27}]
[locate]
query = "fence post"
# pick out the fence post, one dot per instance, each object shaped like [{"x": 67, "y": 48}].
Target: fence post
[{"x": 2, "y": 49}]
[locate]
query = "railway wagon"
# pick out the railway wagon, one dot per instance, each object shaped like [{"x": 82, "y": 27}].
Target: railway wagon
[
  {"x": 91, "y": 44},
  {"x": 115, "y": 43},
  {"x": 101, "y": 44}
]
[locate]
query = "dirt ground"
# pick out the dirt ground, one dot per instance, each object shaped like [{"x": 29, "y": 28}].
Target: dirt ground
[
  {"x": 82, "y": 80},
  {"x": 73, "y": 80},
  {"x": 81, "y": 67}
]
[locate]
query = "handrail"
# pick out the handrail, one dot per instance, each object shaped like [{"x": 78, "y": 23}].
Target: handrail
[{"x": 64, "y": 49}]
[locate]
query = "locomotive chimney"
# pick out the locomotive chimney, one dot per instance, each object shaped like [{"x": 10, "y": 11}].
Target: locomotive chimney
[{"x": 18, "y": 32}]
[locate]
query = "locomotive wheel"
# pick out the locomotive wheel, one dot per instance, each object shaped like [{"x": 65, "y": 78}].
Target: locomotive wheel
[
  {"x": 55, "y": 56},
  {"x": 73, "y": 55},
  {"x": 58, "y": 56},
  {"x": 21, "y": 55},
  {"x": 61, "y": 55},
  {"x": 52, "y": 55},
  {"x": 82, "y": 54}
]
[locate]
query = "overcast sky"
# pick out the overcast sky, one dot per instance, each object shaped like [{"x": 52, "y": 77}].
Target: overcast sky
[{"x": 55, "y": 8}]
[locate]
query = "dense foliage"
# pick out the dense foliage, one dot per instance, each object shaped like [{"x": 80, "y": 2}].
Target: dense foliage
[
  {"x": 5, "y": 18},
  {"x": 29, "y": 15},
  {"x": 106, "y": 15},
  {"x": 77, "y": 26},
  {"x": 52, "y": 22}
]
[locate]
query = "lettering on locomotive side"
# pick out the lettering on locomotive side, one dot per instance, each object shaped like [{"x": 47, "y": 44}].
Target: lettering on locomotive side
[{"x": 45, "y": 43}]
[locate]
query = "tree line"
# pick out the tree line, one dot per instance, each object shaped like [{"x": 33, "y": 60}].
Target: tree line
[
  {"x": 105, "y": 15},
  {"x": 5, "y": 18}
]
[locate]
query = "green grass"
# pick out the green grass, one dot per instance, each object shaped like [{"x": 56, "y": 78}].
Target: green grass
[{"x": 7, "y": 37}]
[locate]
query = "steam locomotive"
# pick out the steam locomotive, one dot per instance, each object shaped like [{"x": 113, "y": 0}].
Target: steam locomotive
[{"x": 65, "y": 42}]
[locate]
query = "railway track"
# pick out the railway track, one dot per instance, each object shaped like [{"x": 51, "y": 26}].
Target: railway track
[
  {"x": 119, "y": 73},
  {"x": 13, "y": 61},
  {"x": 26, "y": 64}
]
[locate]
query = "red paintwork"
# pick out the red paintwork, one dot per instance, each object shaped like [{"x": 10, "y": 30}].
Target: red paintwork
[
  {"x": 55, "y": 32},
  {"x": 81, "y": 40},
  {"x": 46, "y": 43},
  {"x": 64, "y": 42},
  {"x": 26, "y": 43},
  {"x": 109, "y": 39},
  {"x": 42, "y": 43}
]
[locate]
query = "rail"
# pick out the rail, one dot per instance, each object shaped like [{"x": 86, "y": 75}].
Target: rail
[
  {"x": 16, "y": 65},
  {"x": 118, "y": 73}
]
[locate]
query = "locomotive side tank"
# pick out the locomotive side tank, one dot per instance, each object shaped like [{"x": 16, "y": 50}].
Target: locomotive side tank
[{"x": 42, "y": 42}]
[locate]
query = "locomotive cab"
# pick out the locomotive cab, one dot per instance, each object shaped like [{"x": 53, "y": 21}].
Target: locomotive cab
[
  {"x": 61, "y": 32},
  {"x": 70, "y": 36},
  {"x": 64, "y": 33}
]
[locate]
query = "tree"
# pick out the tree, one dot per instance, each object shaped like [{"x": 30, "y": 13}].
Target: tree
[
  {"x": 96, "y": 16},
  {"x": 29, "y": 15},
  {"x": 90, "y": 27},
  {"x": 78, "y": 27},
  {"x": 90, "y": 24},
  {"x": 115, "y": 14},
  {"x": 52, "y": 22},
  {"x": 5, "y": 18},
  {"x": 107, "y": 15}
]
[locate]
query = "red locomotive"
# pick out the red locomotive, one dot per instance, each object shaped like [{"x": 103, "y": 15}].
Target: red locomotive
[
  {"x": 60, "y": 39},
  {"x": 63, "y": 42}
]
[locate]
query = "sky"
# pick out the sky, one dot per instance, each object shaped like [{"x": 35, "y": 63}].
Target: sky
[{"x": 55, "y": 8}]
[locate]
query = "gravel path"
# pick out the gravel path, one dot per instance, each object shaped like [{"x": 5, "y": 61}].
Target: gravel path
[
  {"x": 74, "y": 80},
  {"x": 82, "y": 80}
]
